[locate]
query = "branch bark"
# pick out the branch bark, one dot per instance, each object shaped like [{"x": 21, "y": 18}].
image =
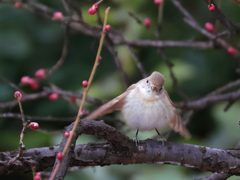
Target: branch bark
[{"x": 121, "y": 150}]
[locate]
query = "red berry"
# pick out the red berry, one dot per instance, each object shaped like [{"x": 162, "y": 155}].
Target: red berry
[
  {"x": 39, "y": 174},
  {"x": 37, "y": 177},
  {"x": 73, "y": 99},
  {"x": 211, "y": 7},
  {"x": 209, "y": 27},
  {"x": 17, "y": 5},
  {"x": 234, "y": 1},
  {"x": 158, "y": 2},
  {"x": 100, "y": 58},
  {"x": 53, "y": 96},
  {"x": 33, "y": 83},
  {"x": 57, "y": 16},
  {"x": 231, "y": 51},
  {"x": 59, "y": 156},
  {"x": 92, "y": 10},
  {"x": 108, "y": 27},
  {"x": 40, "y": 74},
  {"x": 147, "y": 22},
  {"x": 18, "y": 95},
  {"x": 85, "y": 83},
  {"x": 71, "y": 133},
  {"x": 66, "y": 134},
  {"x": 34, "y": 125},
  {"x": 25, "y": 80},
  {"x": 83, "y": 112}
]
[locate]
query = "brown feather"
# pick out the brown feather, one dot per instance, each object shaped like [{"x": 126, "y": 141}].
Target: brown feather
[
  {"x": 157, "y": 79},
  {"x": 115, "y": 104}
]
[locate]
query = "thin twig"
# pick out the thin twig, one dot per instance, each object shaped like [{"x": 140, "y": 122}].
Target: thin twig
[
  {"x": 45, "y": 93},
  {"x": 76, "y": 7},
  {"x": 225, "y": 88},
  {"x": 24, "y": 123},
  {"x": 160, "y": 17},
  {"x": 203, "y": 102},
  {"x": 99, "y": 19},
  {"x": 139, "y": 21},
  {"x": 14, "y": 86},
  {"x": 164, "y": 43},
  {"x": 193, "y": 23},
  {"x": 224, "y": 19},
  {"x": 164, "y": 57},
  {"x": 84, "y": 96},
  {"x": 67, "y": 8},
  {"x": 21, "y": 145},
  {"x": 38, "y": 118},
  {"x": 64, "y": 54},
  {"x": 138, "y": 63},
  {"x": 118, "y": 63},
  {"x": 73, "y": 94},
  {"x": 173, "y": 77}
]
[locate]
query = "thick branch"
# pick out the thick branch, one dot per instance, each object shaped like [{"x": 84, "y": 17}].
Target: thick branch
[{"x": 148, "y": 151}]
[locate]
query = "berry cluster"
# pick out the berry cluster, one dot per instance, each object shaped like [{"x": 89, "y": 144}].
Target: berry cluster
[{"x": 39, "y": 74}]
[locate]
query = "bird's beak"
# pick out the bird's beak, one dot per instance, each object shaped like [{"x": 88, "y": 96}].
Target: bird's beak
[{"x": 153, "y": 88}]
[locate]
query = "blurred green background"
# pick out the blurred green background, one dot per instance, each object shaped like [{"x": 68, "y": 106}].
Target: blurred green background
[{"x": 29, "y": 42}]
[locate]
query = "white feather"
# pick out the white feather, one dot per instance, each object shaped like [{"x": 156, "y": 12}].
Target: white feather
[{"x": 146, "y": 110}]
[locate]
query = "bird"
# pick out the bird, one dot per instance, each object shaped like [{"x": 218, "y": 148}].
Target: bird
[{"x": 145, "y": 106}]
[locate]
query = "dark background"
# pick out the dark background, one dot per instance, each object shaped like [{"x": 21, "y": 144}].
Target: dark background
[{"x": 29, "y": 42}]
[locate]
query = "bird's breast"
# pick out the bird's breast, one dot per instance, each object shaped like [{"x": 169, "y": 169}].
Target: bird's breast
[{"x": 146, "y": 111}]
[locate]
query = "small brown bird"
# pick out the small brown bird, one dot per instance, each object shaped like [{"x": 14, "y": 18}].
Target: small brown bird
[{"x": 145, "y": 106}]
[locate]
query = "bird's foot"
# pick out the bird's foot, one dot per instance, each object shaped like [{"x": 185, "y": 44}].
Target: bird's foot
[
  {"x": 135, "y": 140},
  {"x": 162, "y": 139}
]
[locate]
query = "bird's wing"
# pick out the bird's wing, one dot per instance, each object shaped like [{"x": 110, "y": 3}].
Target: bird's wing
[
  {"x": 115, "y": 104},
  {"x": 176, "y": 122}
]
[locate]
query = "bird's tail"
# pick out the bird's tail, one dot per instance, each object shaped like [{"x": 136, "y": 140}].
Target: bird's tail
[{"x": 178, "y": 126}]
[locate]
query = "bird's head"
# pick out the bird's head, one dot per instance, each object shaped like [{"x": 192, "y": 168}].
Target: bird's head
[{"x": 156, "y": 81}]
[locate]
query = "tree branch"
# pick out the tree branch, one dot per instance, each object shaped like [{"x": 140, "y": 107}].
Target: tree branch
[
  {"x": 216, "y": 176},
  {"x": 121, "y": 150},
  {"x": 45, "y": 93},
  {"x": 203, "y": 102},
  {"x": 193, "y": 23},
  {"x": 224, "y": 19}
]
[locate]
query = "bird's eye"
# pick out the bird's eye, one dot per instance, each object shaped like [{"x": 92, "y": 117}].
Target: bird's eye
[
  {"x": 160, "y": 89},
  {"x": 147, "y": 81}
]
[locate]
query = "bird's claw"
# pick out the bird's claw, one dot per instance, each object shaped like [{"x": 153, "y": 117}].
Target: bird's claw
[
  {"x": 135, "y": 140},
  {"x": 163, "y": 140}
]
